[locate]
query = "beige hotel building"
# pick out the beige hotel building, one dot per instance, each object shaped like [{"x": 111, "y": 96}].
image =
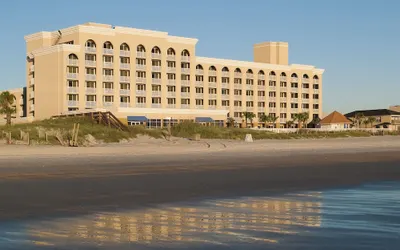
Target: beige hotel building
[{"x": 142, "y": 74}]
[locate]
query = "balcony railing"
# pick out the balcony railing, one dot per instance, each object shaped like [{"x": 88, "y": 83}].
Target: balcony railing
[
  {"x": 294, "y": 79},
  {"x": 108, "y": 104},
  {"x": 32, "y": 68},
  {"x": 156, "y": 80},
  {"x": 261, "y": 77},
  {"x": 171, "y": 69},
  {"x": 238, "y": 75},
  {"x": 212, "y": 84},
  {"x": 185, "y": 70},
  {"x": 140, "y": 66},
  {"x": 283, "y": 99},
  {"x": 261, "y": 97},
  {"x": 156, "y": 68},
  {"x": 90, "y": 63},
  {"x": 90, "y": 77},
  {"x": 185, "y": 94},
  {"x": 72, "y": 103},
  {"x": 171, "y": 106},
  {"x": 156, "y": 93},
  {"x": 199, "y": 83},
  {"x": 225, "y": 74},
  {"x": 90, "y": 90},
  {"x": 108, "y": 91},
  {"x": 185, "y": 82},
  {"x": 249, "y": 109},
  {"x": 315, "y": 101},
  {"x": 294, "y": 110},
  {"x": 272, "y": 88},
  {"x": 283, "y": 110},
  {"x": 108, "y": 77},
  {"x": 108, "y": 51},
  {"x": 199, "y": 106},
  {"x": 315, "y": 111},
  {"x": 212, "y": 96},
  {"x": 125, "y": 66},
  {"x": 171, "y": 82},
  {"x": 225, "y": 97},
  {"x": 316, "y": 81},
  {"x": 261, "y": 87},
  {"x": 249, "y": 76},
  {"x": 90, "y": 104},
  {"x": 90, "y": 49},
  {"x": 272, "y": 99},
  {"x": 283, "y": 89},
  {"x": 212, "y": 106},
  {"x": 305, "y": 80},
  {"x": 124, "y": 104},
  {"x": 294, "y": 90},
  {"x": 238, "y": 108},
  {"x": 72, "y": 90},
  {"x": 185, "y": 106},
  {"x": 249, "y": 97},
  {"x": 73, "y": 62},
  {"x": 108, "y": 65},
  {"x": 225, "y": 85},
  {"x": 212, "y": 73},
  {"x": 261, "y": 109},
  {"x": 140, "y": 105},
  {"x": 73, "y": 76},
  {"x": 249, "y": 86},
  {"x": 271, "y": 110},
  {"x": 156, "y": 105},
  {"x": 237, "y": 86},
  {"x": 155, "y": 56},
  {"x": 272, "y": 78},
  {"x": 140, "y": 79},
  {"x": 199, "y": 95},
  {"x": 237, "y": 97},
  {"x": 32, "y": 82},
  {"x": 305, "y": 100},
  {"x": 125, "y": 53},
  {"x": 282, "y": 120},
  {"x": 316, "y": 91},
  {"x": 32, "y": 95},
  {"x": 125, "y": 78},
  {"x": 124, "y": 92},
  {"x": 171, "y": 94},
  {"x": 283, "y": 78},
  {"x": 140, "y": 54},
  {"x": 141, "y": 92},
  {"x": 185, "y": 58},
  {"x": 171, "y": 58},
  {"x": 199, "y": 72},
  {"x": 294, "y": 99},
  {"x": 32, "y": 107}
]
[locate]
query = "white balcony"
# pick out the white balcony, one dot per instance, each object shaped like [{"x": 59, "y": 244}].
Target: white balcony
[
  {"x": 108, "y": 104},
  {"x": 225, "y": 85},
  {"x": 238, "y": 75},
  {"x": 185, "y": 82},
  {"x": 225, "y": 97},
  {"x": 316, "y": 91},
  {"x": 249, "y": 76},
  {"x": 90, "y": 63},
  {"x": 315, "y": 101},
  {"x": 261, "y": 109},
  {"x": 32, "y": 82},
  {"x": 185, "y": 58},
  {"x": 72, "y": 90},
  {"x": 108, "y": 65},
  {"x": 171, "y": 58},
  {"x": 125, "y": 66},
  {"x": 140, "y": 105},
  {"x": 294, "y": 79},
  {"x": 171, "y": 82},
  {"x": 140, "y": 67},
  {"x": 90, "y": 49},
  {"x": 249, "y": 109},
  {"x": 124, "y": 104},
  {"x": 199, "y": 72},
  {"x": 272, "y": 99},
  {"x": 249, "y": 97},
  {"x": 171, "y": 69},
  {"x": 212, "y": 106},
  {"x": 108, "y": 78},
  {"x": 124, "y": 92},
  {"x": 283, "y": 89},
  {"x": 108, "y": 91},
  {"x": 283, "y": 78},
  {"x": 283, "y": 110},
  {"x": 237, "y": 86},
  {"x": 261, "y": 87},
  {"x": 212, "y": 96},
  {"x": 156, "y": 80},
  {"x": 156, "y": 105},
  {"x": 156, "y": 68},
  {"x": 272, "y": 78},
  {"x": 171, "y": 106},
  {"x": 185, "y": 70},
  {"x": 90, "y": 90},
  {"x": 125, "y": 53},
  {"x": 72, "y": 62},
  {"x": 212, "y": 73},
  {"x": 125, "y": 78},
  {"x": 261, "y": 98},
  {"x": 294, "y": 110},
  {"x": 271, "y": 110},
  {"x": 171, "y": 94},
  {"x": 140, "y": 54},
  {"x": 238, "y": 108},
  {"x": 212, "y": 84},
  {"x": 305, "y": 100},
  {"x": 315, "y": 111},
  {"x": 294, "y": 100},
  {"x": 199, "y": 83},
  {"x": 272, "y": 88},
  {"x": 32, "y": 107},
  {"x": 72, "y": 103},
  {"x": 305, "y": 80},
  {"x": 140, "y": 92},
  {"x": 199, "y": 106},
  {"x": 225, "y": 74},
  {"x": 90, "y": 104},
  {"x": 306, "y": 109},
  {"x": 283, "y": 99},
  {"x": 294, "y": 90},
  {"x": 282, "y": 120},
  {"x": 90, "y": 77},
  {"x": 155, "y": 56},
  {"x": 32, "y": 95},
  {"x": 261, "y": 77},
  {"x": 32, "y": 68},
  {"x": 73, "y": 76},
  {"x": 237, "y": 97},
  {"x": 156, "y": 93},
  {"x": 199, "y": 95},
  {"x": 140, "y": 79},
  {"x": 108, "y": 51},
  {"x": 316, "y": 81},
  {"x": 249, "y": 86}
]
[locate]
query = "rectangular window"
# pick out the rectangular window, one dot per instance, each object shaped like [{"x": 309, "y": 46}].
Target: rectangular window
[
  {"x": 212, "y": 90},
  {"x": 171, "y": 88},
  {"x": 171, "y": 64},
  {"x": 156, "y": 88},
  {"x": 90, "y": 71},
  {"x": 249, "y": 81},
  {"x": 283, "y": 94},
  {"x": 199, "y": 90},
  {"x": 72, "y": 97},
  {"x": 283, "y": 84},
  {"x": 171, "y": 100},
  {"x": 272, "y": 94},
  {"x": 108, "y": 72},
  {"x": 108, "y": 98},
  {"x": 171, "y": 76},
  {"x": 272, "y": 83},
  {"x": 156, "y": 63},
  {"x": 283, "y": 105},
  {"x": 237, "y": 92},
  {"x": 90, "y": 98},
  {"x": 199, "y": 102},
  {"x": 237, "y": 81},
  {"x": 125, "y": 73},
  {"x": 261, "y": 93},
  {"x": 294, "y": 95},
  {"x": 237, "y": 103},
  {"x": 141, "y": 100},
  {"x": 71, "y": 69},
  {"x": 225, "y": 79},
  {"x": 90, "y": 84},
  {"x": 294, "y": 105},
  {"x": 294, "y": 85},
  {"x": 315, "y": 96},
  {"x": 306, "y": 85},
  {"x": 141, "y": 87},
  {"x": 72, "y": 84},
  {"x": 156, "y": 100},
  {"x": 249, "y": 92},
  {"x": 108, "y": 85},
  {"x": 225, "y": 103},
  {"x": 272, "y": 105},
  {"x": 225, "y": 91},
  {"x": 261, "y": 82},
  {"x": 212, "y": 102},
  {"x": 185, "y": 89},
  {"x": 125, "y": 86},
  {"x": 140, "y": 61},
  {"x": 140, "y": 74},
  {"x": 156, "y": 75},
  {"x": 261, "y": 104},
  {"x": 185, "y": 101},
  {"x": 249, "y": 104}
]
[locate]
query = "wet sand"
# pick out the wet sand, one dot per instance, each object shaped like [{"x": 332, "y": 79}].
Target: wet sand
[{"x": 61, "y": 182}]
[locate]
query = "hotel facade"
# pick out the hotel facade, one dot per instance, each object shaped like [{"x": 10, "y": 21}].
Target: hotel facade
[{"x": 140, "y": 73}]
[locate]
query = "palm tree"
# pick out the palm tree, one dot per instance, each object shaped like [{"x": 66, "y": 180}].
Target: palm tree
[
  {"x": 230, "y": 122},
  {"x": 273, "y": 119},
  {"x": 359, "y": 118},
  {"x": 6, "y": 105},
  {"x": 263, "y": 118},
  {"x": 249, "y": 116},
  {"x": 289, "y": 124},
  {"x": 301, "y": 118},
  {"x": 371, "y": 120}
]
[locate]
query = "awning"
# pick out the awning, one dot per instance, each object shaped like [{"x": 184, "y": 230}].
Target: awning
[
  {"x": 203, "y": 119},
  {"x": 137, "y": 119}
]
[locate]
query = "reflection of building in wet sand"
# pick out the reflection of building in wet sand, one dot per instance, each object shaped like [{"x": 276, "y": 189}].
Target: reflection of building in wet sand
[{"x": 188, "y": 224}]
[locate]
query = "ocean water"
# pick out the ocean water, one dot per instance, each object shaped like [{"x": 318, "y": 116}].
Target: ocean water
[{"x": 364, "y": 217}]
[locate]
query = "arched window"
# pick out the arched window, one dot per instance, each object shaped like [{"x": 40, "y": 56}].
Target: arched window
[
  {"x": 90, "y": 43},
  {"x": 315, "y": 77},
  {"x": 283, "y": 74},
  {"x": 199, "y": 67},
  {"x": 185, "y": 53},
  {"x": 237, "y": 70},
  {"x": 140, "y": 48},
  {"x": 72, "y": 57},
  {"x": 124, "y": 47},
  {"x": 225, "y": 69},
  {"x": 249, "y": 71},
  {"x": 294, "y": 75},
  {"x": 171, "y": 52},
  {"x": 272, "y": 73},
  {"x": 155, "y": 50},
  {"x": 305, "y": 76},
  {"x": 108, "y": 45},
  {"x": 212, "y": 68},
  {"x": 261, "y": 72}
]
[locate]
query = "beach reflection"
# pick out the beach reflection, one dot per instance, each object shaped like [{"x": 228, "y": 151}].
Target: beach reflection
[{"x": 213, "y": 222}]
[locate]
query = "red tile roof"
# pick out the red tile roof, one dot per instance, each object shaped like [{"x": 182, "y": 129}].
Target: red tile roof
[{"x": 335, "y": 117}]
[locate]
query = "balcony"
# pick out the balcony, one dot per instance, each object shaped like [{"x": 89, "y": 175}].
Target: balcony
[
  {"x": 72, "y": 103},
  {"x": 315, "y": 101},
  {"x": 90, "y": 90},
  {"x": 261, "y": 87},
  {"x": 90, "y": 63},
  {"x": 32, "y": 95},
  {"x": 225, "y": 85},
  {"x": 90, "y": 77},
  {"x": 155, "y": 80},
  {"x": 108, "y": 104},
  {"x": 212, "y": 106},
  {"x": 124, "y": 104},
  {"x": 109, "y": 65},
  {"x": 125, "y": 78},
  {"x": 171, "y": 69},
  {"x": 282, "y": 120},
  {"x": 155, "y": 56},
  {"x": 199, "y": 106},
  {"x": 185, "y": 94},
  {"x": 283, "y": 89},
  {"x": 294, "y": 90},
  {"x": 125, "y": 66},
  {"x": 140, "y": 92},
  {"x": 185, "y": 106},
  {"x": 199, "y": 95},
  {"x": 108, "y": 51},
  {"x": 156, "y": 93},
  {"x": 238, "y": 108},
  {"x": 90, "y": 104},
  {"x": 212, "y": 84},
  {"x": 294, "y": 110},
  {"x": 185, "y": 58},
  {"x": 237, "y": 86},
  {"x": 212, "y": 73},
  {"x": 124, "y": 92},
  {"x": 199, "y": 72},
  {"x": 261, "y": 77},
  {"x": 225, "y": 97},
  {"x": 212, "y": 96},
  {"x": 73, "y": 76},
  {"x": 32, "y": 107},
  {"x": 156, "y": 105},
  {"x": 108, "y": 78},
  {"x": 271, "y": 110},
  {"x": 171, "y": 106},
  {"x": 249, "y": 97},
  {"x": 171, "y": 58},
  {"x": 90, "y": 50},
  {"x": 108, "y": 91},
  {"x": 140, "y": 79},
  {"x": 294, "y": 100},
  {"x": 72, "y": 90},
  {"x": 272, "y": 88},
  {"x": 261, "y": 109},
  {"x": 171, "y": 94},
  {"x": 225, "y": 74},
  {"x": 141, "y": 67},
  {"x": 237, "y": 75},
  {"x": 283, "y": 99},
  {"x": 140, "y": 54},
  {"x": 32, "y": 68},
  {"x": 305, "y": 80},
  {"x": 261, "y": 98},
  {"x": 272, "y": 99},
  {"x": 185, "y": 82},
  {"x": 315, "y": 111},
  {"x": 316, "y": 91},
  {"x": 171, "y": 82},
  {"x": 283, "y": 110},
  {"x": 199, "y": 84},
  {"x": 294, "y": 79},
  {"x": 72, "y": 62},
  {"x": 272, "y": 78},
  {"x": 306, "y": 109},
  {"x": 305, "y": 100},
  {"x": 140, "y": 105},
  {"x": 125, "y": 53},
  {"x": 156, "y": 68},
  {"x": 283, "y": 78},
  {"x": 316, "y": 81},
  {"x": 185, "y": 70},
  {"x": 249, "y": 109},
  {"x": 237, "y": 97},
  {"x": 249, "y": 86},
  {"x": 249, "y": 76}
]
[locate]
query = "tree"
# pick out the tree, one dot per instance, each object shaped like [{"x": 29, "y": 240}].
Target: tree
[
  {"x": 359, "y": 118},
  {"x": 6, "y": 105},
  {"x": 289, "y": 124},
  {"x": 249, "y": 116},
  {"x": 371, "y": 120},
  {"x": 273, "y": 120},
  {"x": 301, "y": 118},
  {"x": 230, "y": 122},
  {"x": 263, "y": 118}
]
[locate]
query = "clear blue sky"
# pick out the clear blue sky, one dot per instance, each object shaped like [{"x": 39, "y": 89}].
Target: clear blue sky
[{"x": 356, "y": 41}]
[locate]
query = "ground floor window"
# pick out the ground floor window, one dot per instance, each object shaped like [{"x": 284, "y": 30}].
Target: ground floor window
[
  {"x": 166, "y": 122},
  {"x": 154, "y": 123},
  {"x": 135, "y": 123}
]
